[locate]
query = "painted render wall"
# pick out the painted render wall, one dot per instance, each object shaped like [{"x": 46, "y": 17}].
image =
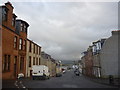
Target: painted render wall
[
  {"x": 33, "y": 55},
  {"x": 109, "y": 56}
]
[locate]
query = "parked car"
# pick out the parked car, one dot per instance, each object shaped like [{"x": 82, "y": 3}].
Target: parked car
[
  {"x": 64, "y": 71},
  {"x": 77, "y": 72},
  {"x": 58, "y": 74}
]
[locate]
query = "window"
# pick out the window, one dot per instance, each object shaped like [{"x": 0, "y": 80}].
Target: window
[
  {"x": 36, "y": 61},
  {"x": 39, "y": 61},
  {"x": 21, "y": 63},
  {"x": 33, "y": 60},
  {"x": 8, "y": 68},
  {"x": 29, "y": 61},
  {"x": 15, "y": 42},
  {"x": 24, "y": 45},
  {"x": 34, "y": 48},
  {"x": 39, "y": 50},
  {"x": 4, "y": 14},
  {"x": 15, "y": 65},
  {"x": 13, "y": 21},
  {"x": 6, "y": 63},
  {"x": 20, "y": 44},
  {"x": 23, "y": 27},
  {"x": 15, "y": 60},
  {"x": 30, "y": 47},
  {"x": 99, "y": 43}
]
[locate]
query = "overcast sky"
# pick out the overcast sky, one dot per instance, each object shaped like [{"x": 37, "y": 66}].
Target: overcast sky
[{"x": 66, "y": 29}]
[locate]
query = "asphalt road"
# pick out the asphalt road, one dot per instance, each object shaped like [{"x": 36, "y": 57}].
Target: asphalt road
[{"x": 68, "y": 80}]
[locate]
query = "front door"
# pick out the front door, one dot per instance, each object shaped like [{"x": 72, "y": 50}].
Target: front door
[{"x": 15, "y": 66}]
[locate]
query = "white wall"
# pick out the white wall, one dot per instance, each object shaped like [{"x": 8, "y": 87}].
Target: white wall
[{"x": 109, "y": 57}]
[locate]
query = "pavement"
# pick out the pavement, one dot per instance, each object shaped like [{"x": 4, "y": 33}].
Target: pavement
[
  {"x": 68, "y": 80},
  {"x": 8, "y": 83},
  {"x": 105, "y": 81}
]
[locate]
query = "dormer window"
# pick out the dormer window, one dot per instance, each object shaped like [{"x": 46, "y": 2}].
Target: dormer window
[
  {"x": 13, "y": 21},
  {"x": 23, "y": 27},
  {"x": 4, "y": 14}
]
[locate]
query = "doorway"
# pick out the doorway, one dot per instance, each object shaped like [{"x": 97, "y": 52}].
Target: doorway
[{"x": 15, "y": 66}]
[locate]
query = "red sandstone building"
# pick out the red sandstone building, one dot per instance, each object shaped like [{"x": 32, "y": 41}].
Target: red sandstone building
[
  {"x": 14, "y": 37},
  {"x": 87, "y": 61}
]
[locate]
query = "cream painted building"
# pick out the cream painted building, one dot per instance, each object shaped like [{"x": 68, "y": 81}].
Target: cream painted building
[{"x": 33, "y": 56}]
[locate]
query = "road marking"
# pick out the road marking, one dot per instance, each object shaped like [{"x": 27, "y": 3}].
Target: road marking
[
  {"x": 18, "y": 84},
  {"x": 15, "y": 83},
  {"x": 24, "y": 87}
]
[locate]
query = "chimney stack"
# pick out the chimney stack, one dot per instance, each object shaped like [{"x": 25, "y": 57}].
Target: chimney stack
[{"x": 116, "y": 32}]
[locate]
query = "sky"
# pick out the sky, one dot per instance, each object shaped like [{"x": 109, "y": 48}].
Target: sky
[{"x": 66, "y": 29}]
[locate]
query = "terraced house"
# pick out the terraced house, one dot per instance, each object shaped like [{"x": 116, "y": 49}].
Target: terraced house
[
  {"x": 48, "y": 61},
  {"x": 103, "y": 58},
  {"x": 33, "y": 56},
  {"x": 14, "y": 36}
]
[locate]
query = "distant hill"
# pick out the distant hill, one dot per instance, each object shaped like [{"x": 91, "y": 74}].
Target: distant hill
[{"x": 67, "y": 62}]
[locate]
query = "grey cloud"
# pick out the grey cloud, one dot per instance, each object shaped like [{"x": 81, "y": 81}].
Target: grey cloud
[{"x": 66, "y": 29}]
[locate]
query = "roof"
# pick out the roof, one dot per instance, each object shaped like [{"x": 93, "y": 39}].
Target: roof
[
  {"x": 33, "y": 42},
  {"x": 23, "y": 21}
]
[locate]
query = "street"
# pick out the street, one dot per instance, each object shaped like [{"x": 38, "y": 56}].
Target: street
[{"x": 68, "y": 80}]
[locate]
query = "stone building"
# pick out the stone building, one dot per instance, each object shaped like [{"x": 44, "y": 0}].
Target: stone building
[
  {"x": 13, "y": 43},
  {"x": 83, "y": 64},
  {"x": 89, "y": 62},
  {"x": 33, "y": 56},
  {"x": 47, "y": 60},
  {"x": 58, "y": 67},
  {"x": 53, "y": 65}
]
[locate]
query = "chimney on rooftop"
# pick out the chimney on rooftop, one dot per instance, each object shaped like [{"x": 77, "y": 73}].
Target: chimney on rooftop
[
  {"x": 116, "y": 32},
  {"x": 8, "y": 4}
]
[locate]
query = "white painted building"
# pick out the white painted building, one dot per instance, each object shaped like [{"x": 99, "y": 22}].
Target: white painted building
[{"x": 109, "y": 56}]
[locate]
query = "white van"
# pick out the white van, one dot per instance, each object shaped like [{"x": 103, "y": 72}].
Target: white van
[{"x": 40, "y": 72}]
